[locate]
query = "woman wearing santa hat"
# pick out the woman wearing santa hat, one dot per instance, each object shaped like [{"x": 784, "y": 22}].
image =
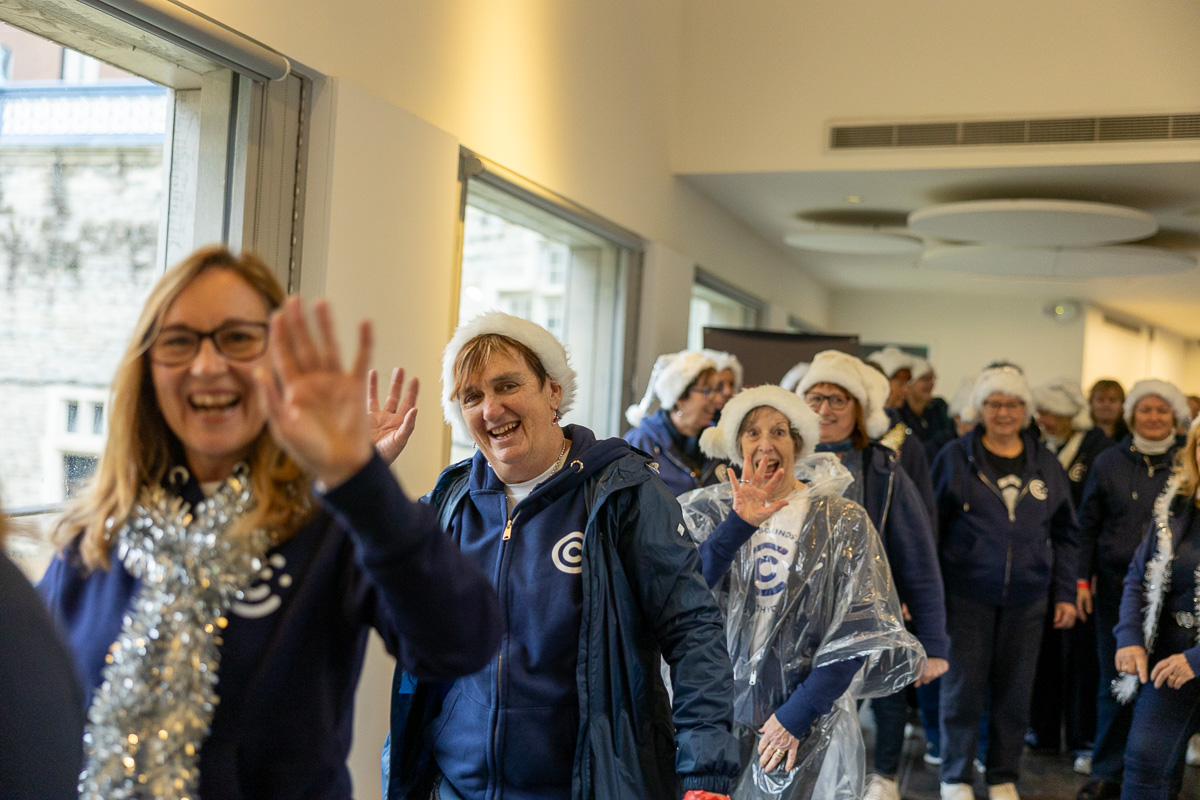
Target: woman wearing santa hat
[
  {"x": 1007, "y": 535},
  {"x": 685, "y": 385},
  {"x": 801, "y": 576},
  {"x": 1117, "y": 505},
  {"x": 848, "y": 396}
]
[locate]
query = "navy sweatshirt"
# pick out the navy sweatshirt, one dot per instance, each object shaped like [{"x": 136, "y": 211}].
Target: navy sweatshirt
[
  {"x": 1180, "y": 595},
  {"x": 41, "y": 704},
  {"x": 292, "y": 653}
]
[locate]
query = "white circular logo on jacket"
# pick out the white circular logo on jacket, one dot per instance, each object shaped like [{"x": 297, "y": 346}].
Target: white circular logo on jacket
[
  {"x": 568, "y": 553},
  {"x": 1038, "y": 489},
  {"x": 1078, "y": 470},
  {"x": 260, "y": 600}
]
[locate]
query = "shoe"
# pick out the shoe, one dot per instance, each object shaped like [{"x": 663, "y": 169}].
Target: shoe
[
  {"x": 933, "y": 756},
  {"x": 1100, "y": 789},
  {"x": 1193, "y": 751},
  {"x": 1003, "y": 791},
  {"x": 881, "y": 788},
  {"x": 1082, "y": 765},
  {"x": 957, "y": 791}
]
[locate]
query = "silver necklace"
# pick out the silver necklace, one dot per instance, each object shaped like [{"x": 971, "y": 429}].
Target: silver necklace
[{"x": 562, "y": 456}]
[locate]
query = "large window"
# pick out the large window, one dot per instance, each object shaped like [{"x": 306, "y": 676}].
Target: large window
[
  {"x": 115, "y": 162},
  {"x": 716, "y": 304},
  {"x": 533, "y": 256}
]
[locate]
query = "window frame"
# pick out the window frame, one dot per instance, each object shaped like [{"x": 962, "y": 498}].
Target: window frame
[
  {"x": 259, "y": 130},
  {"x": 473, "y": 166}
]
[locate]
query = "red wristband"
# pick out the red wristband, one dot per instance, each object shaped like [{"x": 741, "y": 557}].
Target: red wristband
[
  {"x": 699, "y": 794},
  {"x": 1082, "y": 584}
]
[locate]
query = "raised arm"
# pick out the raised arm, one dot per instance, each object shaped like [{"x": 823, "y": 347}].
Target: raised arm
[{"x": 443, "y": 609}]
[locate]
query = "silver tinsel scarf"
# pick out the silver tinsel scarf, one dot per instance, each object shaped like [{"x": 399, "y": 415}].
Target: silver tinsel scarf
[{"x": 152, "y": 712}]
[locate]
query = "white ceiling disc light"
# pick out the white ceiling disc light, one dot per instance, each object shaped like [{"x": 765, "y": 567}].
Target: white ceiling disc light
[
  {"x": 1069, "y": 263},
  {"x": 1035, "y": 223},
  {"x": 855, "y": 242}
]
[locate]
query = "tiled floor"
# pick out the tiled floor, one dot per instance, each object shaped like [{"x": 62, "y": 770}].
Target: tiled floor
[{"x": 1042, "y": 777}]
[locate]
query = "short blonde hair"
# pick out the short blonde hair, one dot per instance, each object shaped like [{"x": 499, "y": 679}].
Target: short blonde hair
[{"x": 141, "y": 447}]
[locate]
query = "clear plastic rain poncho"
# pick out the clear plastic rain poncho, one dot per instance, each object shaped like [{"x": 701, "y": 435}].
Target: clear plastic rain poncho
[{"x": 789, "y": 609}]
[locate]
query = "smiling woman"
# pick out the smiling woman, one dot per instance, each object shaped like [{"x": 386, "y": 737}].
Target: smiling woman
[
  {"x": 582, "y": 540},
  {"x": 217, "y": 608}
]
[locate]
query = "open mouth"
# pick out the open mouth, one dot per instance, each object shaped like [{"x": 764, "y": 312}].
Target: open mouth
[
  {"x": 214, "y": 402},
  {"x": 504, "y": 431},
  {"x": 767, "y": 466}
]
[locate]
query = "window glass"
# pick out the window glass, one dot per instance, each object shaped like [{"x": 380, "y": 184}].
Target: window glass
[
  {"x": 81, "y": 196},
  {"x": 533, "y": 264},
  {"x": 715, "y": 309}
]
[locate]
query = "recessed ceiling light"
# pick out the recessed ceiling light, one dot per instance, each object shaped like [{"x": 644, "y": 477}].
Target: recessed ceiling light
[{"x": 853, "y": 198}]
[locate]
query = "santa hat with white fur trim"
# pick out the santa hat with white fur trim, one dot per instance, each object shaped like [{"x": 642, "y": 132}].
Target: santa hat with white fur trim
[
  {"x": 1007, "y": 381},
  {"x": 672, "y": 374},
  {"x": 920, "y": 368},
  {"x": 892, "y": 359},
  {"x": 727, "y": 361},
  {"x": 864, "y": 383},
  {"x": 791, "y": 379},
  {"x": 1163, "y": 389},
  {"x": 1063, "y": 397},
  {"x": 721, "y": 440},
  {"x": 548, "y": 349}
]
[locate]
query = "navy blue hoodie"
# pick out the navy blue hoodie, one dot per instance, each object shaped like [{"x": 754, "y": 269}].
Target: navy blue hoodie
[
  {"x": 528, "y": 724},
  {"x": 659, "y": 437},
  {"x": 290, "y": 662},
  {"x": 990, "y": 556}
]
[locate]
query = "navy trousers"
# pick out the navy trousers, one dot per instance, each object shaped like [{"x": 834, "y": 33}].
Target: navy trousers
[
  {"x": 1163, "y": 721},
  {"x": 1112, "y": 718},
  {"x": 891, "y": 715},
  {"x": 993, "y": 654}
]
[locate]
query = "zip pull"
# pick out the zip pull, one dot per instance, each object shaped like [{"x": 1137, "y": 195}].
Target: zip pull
[{"x": 507, "y": 530}]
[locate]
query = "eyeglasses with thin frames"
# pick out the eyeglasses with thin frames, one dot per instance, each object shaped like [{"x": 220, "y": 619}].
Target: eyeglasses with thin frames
[
  {"x": 836, "y": 401},
  {"x": 237, "y": 340},
  {"x": 995, "y": 407}
]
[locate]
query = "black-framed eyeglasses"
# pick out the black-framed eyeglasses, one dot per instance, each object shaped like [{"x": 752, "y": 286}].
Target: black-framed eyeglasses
[
  {"x": 706, "y": 391},
  {"x": 236, "y": 340},
  {"x": 836, "y": 401}
]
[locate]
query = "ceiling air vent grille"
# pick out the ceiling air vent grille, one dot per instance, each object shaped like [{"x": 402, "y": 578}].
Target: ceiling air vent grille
[{"x": 1068, "y": 130}]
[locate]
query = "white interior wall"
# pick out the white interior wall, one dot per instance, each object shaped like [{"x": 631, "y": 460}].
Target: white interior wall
[
  {"x": 762, "y": 81},
  {"x": 384, "y": 214},
  {"x": 1115, "y": 351},
  {"x": 578, "y": 97},
  {"x": 965, "y": 333}
]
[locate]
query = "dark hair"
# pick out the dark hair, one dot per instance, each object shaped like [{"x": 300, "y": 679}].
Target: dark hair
[
  {"x": 752, "y": 414},
  {"x": 707, "y": 372},
  {"x": 1105, "y": 385},
  {"x": 476, "y": 353}
]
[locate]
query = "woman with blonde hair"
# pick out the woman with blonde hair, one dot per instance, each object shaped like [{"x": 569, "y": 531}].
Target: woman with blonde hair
[
  {"x": 216, "y": 602},
  {"x": 1157, "y": 650}
]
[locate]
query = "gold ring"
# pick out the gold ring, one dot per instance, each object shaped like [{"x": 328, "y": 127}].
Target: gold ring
[{"x": 780, "y": 753}]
